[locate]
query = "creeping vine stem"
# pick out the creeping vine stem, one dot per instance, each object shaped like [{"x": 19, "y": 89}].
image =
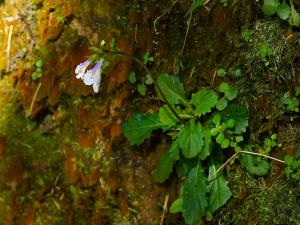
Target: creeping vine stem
[
  {"x": 243, "y": 152},
  {"x": 153, "y": 79}
]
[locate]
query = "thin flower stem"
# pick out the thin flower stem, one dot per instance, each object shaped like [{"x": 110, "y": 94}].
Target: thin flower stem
[
  {"x": 152, "y": 77},
  {"x": 223, "y": 165},
  {"x": 243, "y": 152},
  {"x": 34, "y": 97},
  {"x": 262, "y": 155}
]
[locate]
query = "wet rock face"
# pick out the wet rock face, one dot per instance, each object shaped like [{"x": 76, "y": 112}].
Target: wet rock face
[
  {"x": 58, "y": 158},
  {"x": 63, "y": 158}
]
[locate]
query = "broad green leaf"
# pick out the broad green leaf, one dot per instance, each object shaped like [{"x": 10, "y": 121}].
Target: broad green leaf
[
  {"x": 184, "y": 166},
  {"x": 221, "y": 103},
  {"x": 207, "y": 147},
  {"x": 139, "y": 127},
  {"x": 231, "y": 93},
  {"x": 220, "y": 138},
  {"x": 165, "y": 165},
  {"x": 294, "y": 19},
  {"x": 270, "y": 7},
  {"x": 176, "y": 206},
  {"x": 194, "y": 199},
  {"x": 255, "y": 165},
  {"x": 204, "y": 100},
  {"x": 195, "y": 5},
  {"x": 284, "y": 10},
  {"x": 166, "y": 117},
  {"x": 175, "y": 151},
  {"x": 172, "y": 89},
  {"x": 240, "y": 116},
  {"x": 219, "y": 192},
  {"x": 190, "y": 139}
]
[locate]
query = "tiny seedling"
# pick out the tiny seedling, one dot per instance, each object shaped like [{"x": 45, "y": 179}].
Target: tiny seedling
[{"x": 38, "y": 70}]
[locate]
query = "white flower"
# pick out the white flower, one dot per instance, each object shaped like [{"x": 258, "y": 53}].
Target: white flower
[
  {"x": 81, "y": 68},
  {"x": 93, "y": 76}
]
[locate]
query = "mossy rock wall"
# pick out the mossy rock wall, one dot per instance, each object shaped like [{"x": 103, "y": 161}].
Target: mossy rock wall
[{"x": 63, "y": 157}]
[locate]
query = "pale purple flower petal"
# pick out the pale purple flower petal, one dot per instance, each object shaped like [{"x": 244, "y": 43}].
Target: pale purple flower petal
[
  {"x": 96, "y": 84},
  {"x": 88, "y": 78},
  {"x": 93, "y": 76},
  {"x": 81, "y": 68}
]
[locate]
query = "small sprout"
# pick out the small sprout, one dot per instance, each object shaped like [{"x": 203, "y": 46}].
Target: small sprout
[
  {"x": 216, "y": 119},
  {"x": 142, "y": 89},
  {"x": 265, "y": 52},
  {"x": 288, "y": 159},
  {"x": 225, "y": 143},
  {"x": 148, "y": 80},
  {"x": 102, "y": 43},
  {"x": 220, "y": 138},
  {"x": 132, "y": 78},
  {"x": 214, "y": 131},
  {"x": 230, "y": 123},
  {"x": 148, "y": 58},
  {"x": 247, "y": 35},
  {"x": 38, "y": 71},
  {"x": 221, "y": 72},
  {"x": 237, "y": 72},
  {"x": 239, "y": 138},
  {"x": 39, "y": 63}
]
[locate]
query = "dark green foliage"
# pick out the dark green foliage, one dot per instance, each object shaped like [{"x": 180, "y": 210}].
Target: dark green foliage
[
  {"x": 270, "y": 7},
  {"x": 218, "y": 189},
  {"x": 176, "y": 206},
  {"x": 203, "y": 107},
  {"x": 165, "y": 164},
  {"x": 172, "y": 88},
  {"x": 259, "y": 202},
  {"x": 38, "y": 70},
  {"x": 255, "y": 166},
  {"x": 240, "y": 116},
  {"x": 140, "y": 126},
  {"x": 200, "y": 130},
  {"x": 283, "y": 10},
  {"x": 292, "y": 168},
  {"x": 194, "y": 199},
  {"x": 166, "y": 116},
  {"x": 190, "y": 140}
]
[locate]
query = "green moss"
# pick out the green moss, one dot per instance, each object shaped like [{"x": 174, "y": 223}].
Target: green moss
[
  {"x": 267, "y": 57},
  {"x": 22, "y": 136},
  {"x": 257, "y": 202},
  {"x": 40, "y": 157}
]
